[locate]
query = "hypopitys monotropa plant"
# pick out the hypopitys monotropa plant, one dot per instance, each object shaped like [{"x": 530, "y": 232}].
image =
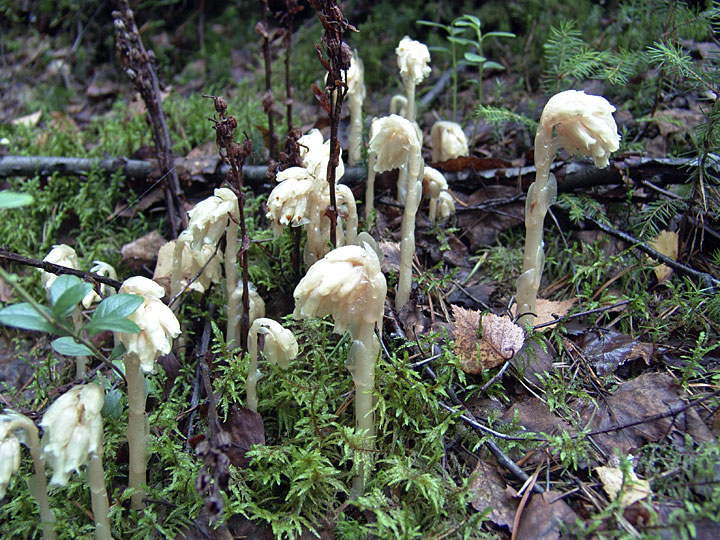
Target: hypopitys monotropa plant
[
  {"x": 72, "y": 438},
  {"x": 583, "y": 124},
  {"x": 17, "y": 429},
  {"x": 347, "y": 283},
  {"x": 396, "y": 145},
  {"x": 355, "y": 97},
  {"x": 279, "y": 347},
  {"x": 209, "y": 220},
  {"x": 412, "y": 59},
  {"x": 158, "y": 327}
]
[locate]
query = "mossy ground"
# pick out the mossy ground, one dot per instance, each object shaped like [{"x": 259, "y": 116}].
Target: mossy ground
[{"x": 423, "y": 483}]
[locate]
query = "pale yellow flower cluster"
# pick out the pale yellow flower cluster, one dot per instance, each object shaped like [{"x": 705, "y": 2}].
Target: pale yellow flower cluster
[
  {"x": 73, "y": 430},
  {"x": 347, "y": 284},
  {"x": 157, "y": 322}
]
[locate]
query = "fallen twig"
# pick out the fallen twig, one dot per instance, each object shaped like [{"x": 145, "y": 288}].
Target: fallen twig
[
  {"x": 707, "y": 279},
  {"x": 57, "y": 269}
]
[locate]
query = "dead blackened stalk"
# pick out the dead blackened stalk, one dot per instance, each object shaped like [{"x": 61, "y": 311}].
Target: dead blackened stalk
[
  {"x": 263, "y": 30},
  {"x": 234, "y": 155},
  {"x": 138, "y": 65},
  {"x": 337, "y": 63},
  {"x": 287, "y": 18}
]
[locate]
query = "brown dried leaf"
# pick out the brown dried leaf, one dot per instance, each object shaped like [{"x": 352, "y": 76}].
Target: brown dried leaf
[
  {"x": 607, "y": 350},
  {"x": 545, "y": 516},
  {"x": 246, "y": 429},
  {"x": 488, "y": 489},
  {"x": 504, "y": 336},
  {"x": 533, "y": 360},
  {"x": 467, "y": 323},
  {"x": 141, "y": 254},
  {"x": 647, "y": 395},
  {"x": 500, "y": 340},
  {"x": 549, "y": 310}
]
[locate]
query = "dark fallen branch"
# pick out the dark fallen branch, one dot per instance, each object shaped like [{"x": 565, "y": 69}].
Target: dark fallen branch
[
  {"x": 705, "y": 278},
  {"x": 253, "y": 175},
  {"x": 572, "y": 176},
  {"x": 57, "y": 269}
]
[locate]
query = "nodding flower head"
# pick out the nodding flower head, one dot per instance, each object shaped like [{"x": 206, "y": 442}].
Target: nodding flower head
[
  {"x": 73, "y": 430},
  {"x": 10, "y": 439},
  {"x": 347, "y": 283},
  {"x": 62, "y": 255},
  {"x": 280, "y": 344},
  {"x": 288, "y": 201},
  {"x": 413, "y": 58},
  {"x": 394, "y": 140},
  {"x": 583, "y": 124},
  {"x": 209, "y": 218},
  {"x": 448, "y": 141},
  {"x": 157, "y": 322}
]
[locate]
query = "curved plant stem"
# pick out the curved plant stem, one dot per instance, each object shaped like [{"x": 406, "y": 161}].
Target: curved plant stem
[
  {"x": 407, "y": 244},
  {"x": 540, "y": 196}
]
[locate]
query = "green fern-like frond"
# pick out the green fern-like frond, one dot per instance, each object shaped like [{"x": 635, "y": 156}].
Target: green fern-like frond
[
  {"x": 500, "y": 116},
  {"x": 580, "y": 207},
  {"x": 656, "y": 216}
]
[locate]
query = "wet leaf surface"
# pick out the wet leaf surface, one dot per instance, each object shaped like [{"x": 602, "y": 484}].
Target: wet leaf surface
[
  {"x": 246, "y": 429},
  {"x": 545, "y": 516},
  {"x": 608, "y": 350},
  {"x": 488, "y": 489},
  {"x": 636, "y": 400}
]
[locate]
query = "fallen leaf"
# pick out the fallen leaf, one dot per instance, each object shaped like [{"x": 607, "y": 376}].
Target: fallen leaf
[
  {"x": 28, "y": 121},
  {"x": 545, "y": 516},
  {"x": 246, "y": 429},
  {"x": 630, "y": 489},
  {"x": 607, "y": 350},
  {"x": 672, "y": 121},
  {"x": 500, "y": 340},
  {"x": 635, "y": 400},
  {"x": 504, "y": 337},
  {"x": 532, "y": 360},
  {"x": 665, "y": 243},
  {"x": 467, "y": 323},
  {"x": 550, "y": 310},
  {"x": 488, "y": 490},
  {"x": 141, "y": 254}
]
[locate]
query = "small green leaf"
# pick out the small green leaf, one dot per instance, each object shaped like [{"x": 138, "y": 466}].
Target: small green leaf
[
  {"x": 117, "y": 352},
  {"x": 118, "y": 305},
  {"x": 66, "y": 293},
  {"x": 439, "y": 49},
  {"x": 69, "y": 347},
  {"x": 475, "y": 58},
  {"x": 8, "y": 199},
  {"x": 111, "y": 312},
  {"x": 461, "y": 41},
  {"x": 114, "y": 324},
  {"x": 467, "y": 20},
  {"x": 499, "y": 34},
  {"x": 112, "y": 408},
  {"x": 25, "y": 316},
  {"x": 493, "y": 65},
  {"x": 436, "y": 25}
]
